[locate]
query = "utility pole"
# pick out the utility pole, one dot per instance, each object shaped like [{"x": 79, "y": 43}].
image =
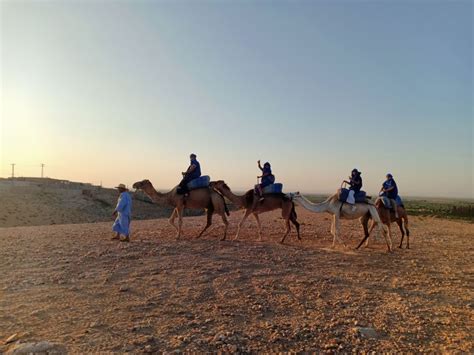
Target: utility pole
[
  {"x": 13, "y": 170},
  {"x": 42, "y": 168}
]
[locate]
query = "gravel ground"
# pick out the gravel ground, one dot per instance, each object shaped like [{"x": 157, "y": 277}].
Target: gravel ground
[{"x": 72, "y": 285}]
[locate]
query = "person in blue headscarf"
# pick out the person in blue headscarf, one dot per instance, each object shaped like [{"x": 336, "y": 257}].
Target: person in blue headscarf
[
  {"x": 122, "y": 214},
  {"x": 193, "y": 172},
  {"x": 267, "y": 178},
  {"x": 390, "y": 189}
]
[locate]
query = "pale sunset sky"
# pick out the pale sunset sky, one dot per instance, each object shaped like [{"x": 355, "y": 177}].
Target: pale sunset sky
[{"x": 119, "y": 91}]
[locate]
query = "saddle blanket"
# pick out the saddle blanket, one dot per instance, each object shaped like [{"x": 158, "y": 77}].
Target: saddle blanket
[
  {"x": 200, "y": 182},
  {"x": 273, "y": 189},
  {"x": 388, "y": 204}
]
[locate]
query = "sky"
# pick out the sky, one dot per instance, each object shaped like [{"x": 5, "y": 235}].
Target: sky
[{"x": 112, "y": 92}]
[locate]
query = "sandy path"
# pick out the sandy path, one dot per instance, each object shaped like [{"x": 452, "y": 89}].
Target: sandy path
[{"x": 72, "y": 285}]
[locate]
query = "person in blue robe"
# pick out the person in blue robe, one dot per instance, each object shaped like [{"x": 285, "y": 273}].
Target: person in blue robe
[{"x": 122, "y": 214}]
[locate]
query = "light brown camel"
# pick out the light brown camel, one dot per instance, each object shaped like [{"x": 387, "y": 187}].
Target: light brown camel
[
  {"x": 253, "y": 206},
  {"x": 387, "y": 216},
  {"x": 343, "y": 210},
  {"x": 205, "y": 198}
]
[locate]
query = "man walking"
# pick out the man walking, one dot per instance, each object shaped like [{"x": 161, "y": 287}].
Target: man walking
[{"x": 122, "y": 214}]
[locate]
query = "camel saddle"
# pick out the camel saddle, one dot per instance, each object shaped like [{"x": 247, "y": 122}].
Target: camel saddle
[
  {"x": 388, "y": 204},
  {"x": 360, "y": 196},
  {"x": 273, "y": 189},
  {"x": 199, "y": 183}
]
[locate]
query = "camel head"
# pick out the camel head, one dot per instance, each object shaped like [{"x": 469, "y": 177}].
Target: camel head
[
  {"x": 293, "y": 195},
  {"x": 142, "y": 185},
  {"x": 220, "y": 185}
]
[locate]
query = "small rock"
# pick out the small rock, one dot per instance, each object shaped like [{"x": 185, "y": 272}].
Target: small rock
[
  {"x": 43, "y": 347},
  {"x": 233, "y": 348},
  {"x": 124, "y": 288},
  {"x": 148, "y": 349},
  {"x": 368, "y": 332}
]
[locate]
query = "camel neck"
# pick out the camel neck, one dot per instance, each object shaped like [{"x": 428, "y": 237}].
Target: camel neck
[
  {"x": 235, "y": 199},
  {"x": 314, "y": 207},
  {"x": 159, "y": 197}
]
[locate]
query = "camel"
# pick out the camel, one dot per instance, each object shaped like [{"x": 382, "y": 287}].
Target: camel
[
  {"x": 387, "y": 216},
  {"x": 205, "y": 198},
  {"x": 250, "y": 203},
  {"x": 362, "y": 211}
]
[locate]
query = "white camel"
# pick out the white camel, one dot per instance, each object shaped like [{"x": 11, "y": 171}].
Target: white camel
[{"x": 362, "y": 211}]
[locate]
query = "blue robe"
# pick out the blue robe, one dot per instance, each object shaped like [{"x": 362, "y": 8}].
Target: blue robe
[{"x": 124, "y": 209}]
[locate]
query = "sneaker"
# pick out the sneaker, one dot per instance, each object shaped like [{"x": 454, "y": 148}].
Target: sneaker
[
  {"x": 126, "y": 239},
  {"x": 115, "y": 237}
]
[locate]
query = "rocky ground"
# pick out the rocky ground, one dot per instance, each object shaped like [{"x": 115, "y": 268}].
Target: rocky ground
[{"x": 71, "y": 285}]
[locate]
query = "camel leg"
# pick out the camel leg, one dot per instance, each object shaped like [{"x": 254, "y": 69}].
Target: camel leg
[
  {"x": 333, "y": 232},
  {"x": 226, "y": 224},
  {"x": 297, "y": 225},
  {"x": 210, "y": 212},
  {"x": 400, "y": 226},
  {"x": 336, "y": 229},
  {"x": 259, "y": 225},
  {"x": 405, "y": 223},
  {"x": 364, "y": 220},
  {"x": 172, "y": 218},
  {"x": 388, "y": 237},
  {"x": 180, "y": 211},
  {"x": 246, "y": 214},
  {"x": 288, "y": 229},
  {"x": 367, "y": 232},
  {"x": 372, "y": 226}
]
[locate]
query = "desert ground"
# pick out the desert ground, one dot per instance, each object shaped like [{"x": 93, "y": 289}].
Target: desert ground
[{"x": 71, "y": 285}]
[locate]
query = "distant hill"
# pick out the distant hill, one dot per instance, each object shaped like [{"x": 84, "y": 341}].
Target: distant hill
[{"x": 36, "y": 201}]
